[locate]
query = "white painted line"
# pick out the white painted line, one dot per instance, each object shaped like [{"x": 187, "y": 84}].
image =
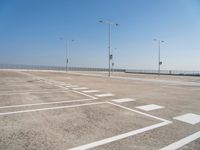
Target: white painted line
[
  {"x": 104, "y": 95},
  {"x": 71, "y": 86},
  {"x": 123, "y": 100},
  {"x": 91, "y": 91},
  {"x": 150, "y": 107},
  {"x": 139, "y": 112},
  {"x": 62, "y": 87},
  {"x": 80, "y": 88},
  {"x": 125, "y": 135},
  {"x": 118, "y": 137},
  {"x": 27, "y": 92},
  {"x": 65, "y": 84},
  {"x": 189, "y": 118},
  {"x": 182, "y": 142},
  {"x": 84, "y": 94},
  {"x": 49, "y": 108},
  {"x": 47, "y": 103}
]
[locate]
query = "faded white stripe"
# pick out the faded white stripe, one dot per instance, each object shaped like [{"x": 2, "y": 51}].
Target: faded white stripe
[
  {"x": 119, "y": 137},
  {"x": 122, "y": 100},
  {"x": 104, "y": 95},
  {"x": 91, "y": 91},
  {"x": 49, "y": 108},
  {"x": 80, "y": 88},
  {"x": 182, "y": 142}
]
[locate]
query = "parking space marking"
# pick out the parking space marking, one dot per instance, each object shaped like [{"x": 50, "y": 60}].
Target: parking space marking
[
  {"x": 71, "y": 86},
  {"x": 189, "y": 118},
  {"x": 104, "y": 95},
  {"x": 48, "y": 108},
  {"x": 31, "y": 91},
  {"x": 62, "y": 87},
  {"x": 119, "y": 137},
  {"x": 80, "y": 88},
  {"x": 49, "y": 91},
  {"x": 125, "y": 135},
  {"x": 182, "y": 142},
  {"x": 91, "y": 91},
  {"x": 65, "y": 84},
  {"x": 28, "y": 92},
  {"x": 47, "y": 103},
  {"x": 84, "y": 94},
  {"x": 139, "y": 112},
  {"x": 150, "y": 107},
  {"x": 122, "y": 100},
  {"x": 107, "y": 140}
]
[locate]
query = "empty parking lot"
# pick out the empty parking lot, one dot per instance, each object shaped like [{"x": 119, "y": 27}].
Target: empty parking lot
[{"x": 57, "y": 110}]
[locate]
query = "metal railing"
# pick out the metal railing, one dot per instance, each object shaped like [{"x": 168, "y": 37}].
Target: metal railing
[
  {"x": 61, "y": 68},
  {"x": 56, "y": 68},
  {"x": 165, "y": 72}
]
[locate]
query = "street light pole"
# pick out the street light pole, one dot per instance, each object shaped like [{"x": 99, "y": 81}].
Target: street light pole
[
  {"x": 109, "y": 44},
  {"x": 67, "y": 60},
  {"x": 67, "y": 53},
  {"x": 109, "y": 23},
  {"x": 159, "y": 61},
  {"x": 112, "y": 62}
]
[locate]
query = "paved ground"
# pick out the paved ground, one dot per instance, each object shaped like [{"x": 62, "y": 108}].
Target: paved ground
[{"x": 76, "y": 110}]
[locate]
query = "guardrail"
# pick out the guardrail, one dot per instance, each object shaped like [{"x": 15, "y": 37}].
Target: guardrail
[
  {"x": 56, "y": 68},
  {"x": 61, "y": 68},
  {"x": 166, "y": 72}
]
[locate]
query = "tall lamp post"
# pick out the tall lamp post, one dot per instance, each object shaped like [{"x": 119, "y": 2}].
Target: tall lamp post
[
  {"x": 159, "y": 61},
  {"x": 112, "y": 54},
  {"x": 67, "y": 52},
  {"x": 109, "y": 23}
]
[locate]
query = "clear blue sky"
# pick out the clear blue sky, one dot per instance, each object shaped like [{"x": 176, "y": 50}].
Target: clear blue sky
[{"x": 30, "y": 31}]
